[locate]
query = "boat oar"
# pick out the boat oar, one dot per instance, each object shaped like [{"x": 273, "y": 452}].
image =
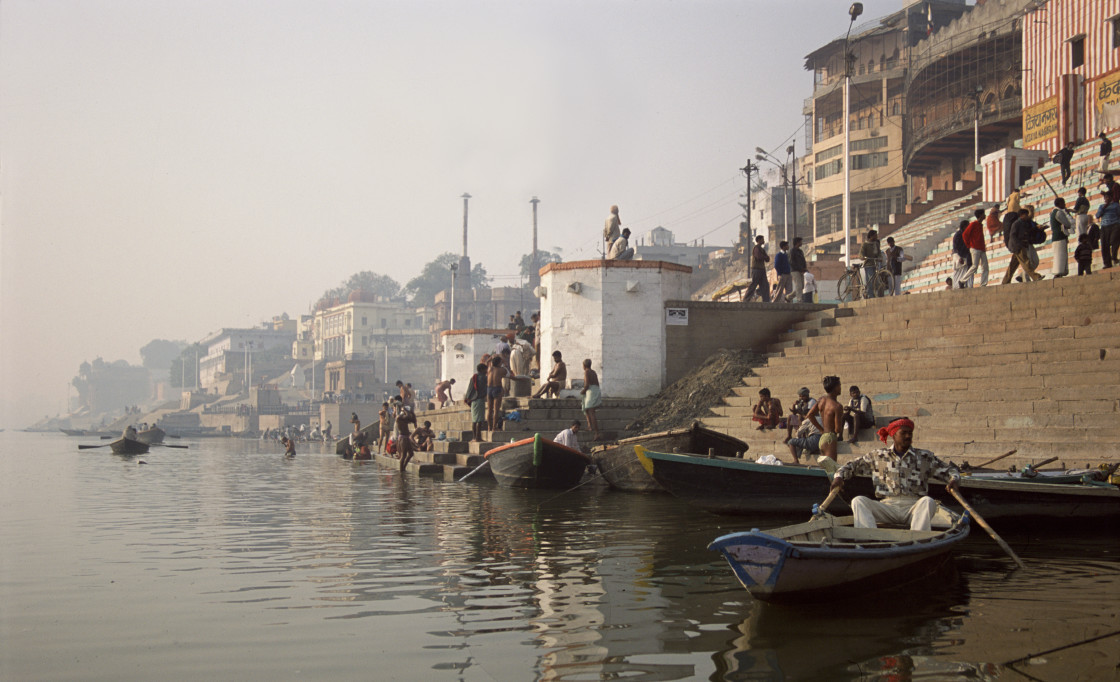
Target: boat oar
[
  {"x": 984, "y": 524},
  {"x": 996, "y": 459},
  {"x": 475, "y": 470},
  {"x": 93, "y": 447},
  {"x": 167, "y": 445},
  {"x": 820, "y": 508}
]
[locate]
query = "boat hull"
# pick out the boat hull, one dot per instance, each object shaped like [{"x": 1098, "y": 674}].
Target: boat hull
[
  {"x": 537, "y": 463},
  {"x": 620, "y": 466},
  {"x": 728, "y": 485},
  {"x": 128, "y": 446},
  {"x": 733, "y": 486},
  {"x": 151, "y": 436},
  {"x": 828, "y": 559}
]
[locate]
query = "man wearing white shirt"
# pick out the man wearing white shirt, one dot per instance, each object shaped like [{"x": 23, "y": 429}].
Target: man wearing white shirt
[{"x": 568, "y": 437}]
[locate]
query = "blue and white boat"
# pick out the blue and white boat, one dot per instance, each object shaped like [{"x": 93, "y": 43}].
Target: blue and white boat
[{"x": 828, "y": 558}]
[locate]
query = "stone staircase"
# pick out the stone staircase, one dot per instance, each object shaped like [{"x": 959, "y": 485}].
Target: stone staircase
[
  {"x": 455, "y": 456},
  {"x": 981, "y": 371}
]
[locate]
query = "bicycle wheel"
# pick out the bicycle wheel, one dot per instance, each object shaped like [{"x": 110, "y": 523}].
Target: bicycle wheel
[
  {"x": 847, "y": 288},
  {"x": 882, "y": 283}
]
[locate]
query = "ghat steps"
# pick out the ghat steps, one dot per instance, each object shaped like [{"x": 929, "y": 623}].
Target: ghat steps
[{"x": 1033, "y": 367}]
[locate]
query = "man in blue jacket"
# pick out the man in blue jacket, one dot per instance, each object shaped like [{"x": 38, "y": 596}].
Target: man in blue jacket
[{"x": 783, "y": 270}]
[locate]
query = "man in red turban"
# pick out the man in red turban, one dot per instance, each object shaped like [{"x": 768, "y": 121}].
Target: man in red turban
[{"x": 901, "y": 476}]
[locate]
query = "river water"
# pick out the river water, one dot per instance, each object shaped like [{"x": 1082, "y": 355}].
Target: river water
[{"x": 228, "y": 561}]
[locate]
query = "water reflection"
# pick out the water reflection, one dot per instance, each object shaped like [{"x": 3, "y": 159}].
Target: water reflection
[{"x": 228, "y": 561}]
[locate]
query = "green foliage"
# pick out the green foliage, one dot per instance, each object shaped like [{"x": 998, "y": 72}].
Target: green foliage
[
  {"x": 367, "y": 282},
  {"x": 543, "y": 259},
  {"x": 436, "y": 277}
]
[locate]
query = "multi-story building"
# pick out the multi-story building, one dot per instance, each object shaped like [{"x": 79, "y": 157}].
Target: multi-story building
[
  {"x": 875, "y": 56},
  {"x": 229, "y": 351},
  {"x": 1071, "y": 71},
  {"x": 366, "y": 345},
  {"x": 659, "y": 244},
  {"x": 963, "y": 96}
]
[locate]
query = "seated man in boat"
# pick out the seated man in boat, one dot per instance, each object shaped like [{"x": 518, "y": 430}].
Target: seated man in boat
[
  {"x": 901, "y": 476},
  {"x": 568, "y": 437},
  {"x": 767, "y": 411},
  {"x": 129, "y": 432}
]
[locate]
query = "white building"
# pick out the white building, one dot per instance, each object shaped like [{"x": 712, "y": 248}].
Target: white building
[
  {"x": 228, "y": 350},
  {"x": 658, "y": 245},
  {"x": 612, "y": 312}
]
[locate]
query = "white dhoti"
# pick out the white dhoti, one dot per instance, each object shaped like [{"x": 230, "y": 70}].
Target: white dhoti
[{"x": 916, "y": 511}]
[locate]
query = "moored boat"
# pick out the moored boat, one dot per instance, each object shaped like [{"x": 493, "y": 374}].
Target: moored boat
[
  {"x": 128, "y": 446},
  {"x": 734, "y": 486},
  {"x": 623, "y": 470},
  {"x": 537, "y": 463},
  {"x": 828, "y": 558}
]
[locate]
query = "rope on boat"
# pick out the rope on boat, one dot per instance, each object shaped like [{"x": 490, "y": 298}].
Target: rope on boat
[
  {"x": 580, "y": 484},
  {"x": 1090, "y": 640}
]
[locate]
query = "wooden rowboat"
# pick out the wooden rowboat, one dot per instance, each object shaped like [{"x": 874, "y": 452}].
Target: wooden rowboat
[
  {"x": 128, "y": 446},
  {"x": 735, "y": 486},
  {"x": 537, "y": 463},
  {"x": 624, "y": 471},
  {"x": 827, "y": 558},
  {"x": 151, "y": 436}
]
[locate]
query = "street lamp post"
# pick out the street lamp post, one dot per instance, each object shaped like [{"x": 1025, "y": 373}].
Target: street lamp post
[
  {"x": 451, "y": 323},
  {"x": 748, "y": 239},
  {"x": 976, "y": 126},
  {"x": 854, "y": 11}
]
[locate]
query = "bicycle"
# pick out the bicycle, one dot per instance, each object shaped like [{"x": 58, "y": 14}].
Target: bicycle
[{"x": 851, "y": 287}]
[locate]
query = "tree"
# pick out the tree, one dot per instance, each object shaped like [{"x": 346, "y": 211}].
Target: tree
[
  {"x": 367, "y": 282},
  {"x": 543, "y": 259},
  {"x": 158, "y": 354},
  {"x": 436, "y": 277}
]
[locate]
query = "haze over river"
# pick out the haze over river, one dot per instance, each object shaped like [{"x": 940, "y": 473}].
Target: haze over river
[{"x": 228, "y": 561}]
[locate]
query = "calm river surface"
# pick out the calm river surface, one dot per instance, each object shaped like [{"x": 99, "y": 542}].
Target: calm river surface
[{"x": 229, "y": 562}]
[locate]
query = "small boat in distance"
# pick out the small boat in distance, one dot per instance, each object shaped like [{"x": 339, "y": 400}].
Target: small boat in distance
[
  {"x": 537, "y": 462},
  {"x": 624, "y": 471},
  {"x": 151, "y": 436},
  {"x": 128, "y": 446},
  {"x": 828, "y": 558}
]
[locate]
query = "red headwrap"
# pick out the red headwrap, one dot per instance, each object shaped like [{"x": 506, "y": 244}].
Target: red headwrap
[{"x": 889, "y": 430}]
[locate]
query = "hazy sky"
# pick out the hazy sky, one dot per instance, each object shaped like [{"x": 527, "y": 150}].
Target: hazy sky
[{"x": 171, "y": 167}]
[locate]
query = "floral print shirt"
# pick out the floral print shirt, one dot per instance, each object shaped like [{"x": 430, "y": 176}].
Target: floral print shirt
[{"x": 899, "y": 476}]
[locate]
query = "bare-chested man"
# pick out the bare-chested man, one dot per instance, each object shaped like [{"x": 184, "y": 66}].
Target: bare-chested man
[
  {"x": 494, "y": 393},
  {"x": 831, "y": 417}
]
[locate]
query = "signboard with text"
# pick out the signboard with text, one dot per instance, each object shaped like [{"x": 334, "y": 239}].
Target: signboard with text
[{"x": 1040, "y": 122}]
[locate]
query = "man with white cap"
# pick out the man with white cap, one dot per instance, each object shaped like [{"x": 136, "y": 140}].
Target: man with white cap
[{"x": 901, "y": 476}]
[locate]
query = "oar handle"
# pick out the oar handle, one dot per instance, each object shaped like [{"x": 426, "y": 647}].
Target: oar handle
[
  {"x": 984, "y": 524},
  {"x": 996, "y": 459},
  {"x": 820, "y": 509}
]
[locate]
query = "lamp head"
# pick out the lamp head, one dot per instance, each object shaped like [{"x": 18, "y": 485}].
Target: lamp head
[{"x": 855, "y": 10}]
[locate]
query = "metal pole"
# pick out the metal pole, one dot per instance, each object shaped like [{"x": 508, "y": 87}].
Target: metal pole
[
  {"x": 466, "y": 198},
  {"x": 534, "y": 265},
  {"x": 785, "y": 202},
  {"x": 847, "y": 162},
  {"x": 452, "y": 321},
  {"x": 976, "y": 136}
]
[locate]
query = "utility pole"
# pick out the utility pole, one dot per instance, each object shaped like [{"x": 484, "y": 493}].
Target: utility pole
[
  {"x": 534, "y": 265},
  {"x": 791, "y": 150},
  {"x": 746, "y": 239},
  {"x": 854, "y": 11}
]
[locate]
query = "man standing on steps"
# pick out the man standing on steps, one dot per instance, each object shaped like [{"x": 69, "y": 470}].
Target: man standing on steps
[
  {"x": 476, "y": 398},
  {"x": 963, "y": 262},
  {"x": 901, "y": 476},
  {"x": 827, "y": 416},
  {"x": 974, "y": 239},
  {"x": 798, "y": 268},
  {"x": 494, "y": 393},
  {"x": 759, "y": 282},
  {"x": 1018, "y": 241},
  {"x": 784, "y": 272}
]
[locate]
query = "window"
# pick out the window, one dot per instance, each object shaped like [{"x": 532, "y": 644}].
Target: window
[
  {"x": 830, "y": 152},
  {"x": 825, "y": 170},
  {"x": 364, "y": 321},
  {"x": 1115, "y": 32},
  {"x": 408, "y": 322},
  {"x": 384, "y": 323},
  {"x": 1077, "y": 52}
]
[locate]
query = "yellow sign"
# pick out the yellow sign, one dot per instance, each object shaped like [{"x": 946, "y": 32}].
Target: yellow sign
[
  {"x": 1040, "y": 122},
  {"x": 1107, "y": 90}
]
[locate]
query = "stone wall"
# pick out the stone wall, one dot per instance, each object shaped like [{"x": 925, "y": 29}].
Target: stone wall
[{"x": 712, "y": 326}]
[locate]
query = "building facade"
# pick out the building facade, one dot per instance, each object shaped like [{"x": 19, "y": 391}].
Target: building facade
[
  {"x": 1071, "y": 72},
  {"x": 229, "y": 351}
]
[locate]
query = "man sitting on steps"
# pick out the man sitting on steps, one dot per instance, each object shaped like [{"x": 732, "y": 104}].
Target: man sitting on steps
[{"x": 858, "y": 414}]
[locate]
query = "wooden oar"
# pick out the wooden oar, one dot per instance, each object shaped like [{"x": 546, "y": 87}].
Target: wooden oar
[
  {"x": 167, "y": 445},
  {"x": 984, "y": 524},
  {"x": 996, "y": 459},
  {"x": 93, "y": 447},
  {"x": 820, "y": 509},
  {"x": 475, "y": 471}
]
